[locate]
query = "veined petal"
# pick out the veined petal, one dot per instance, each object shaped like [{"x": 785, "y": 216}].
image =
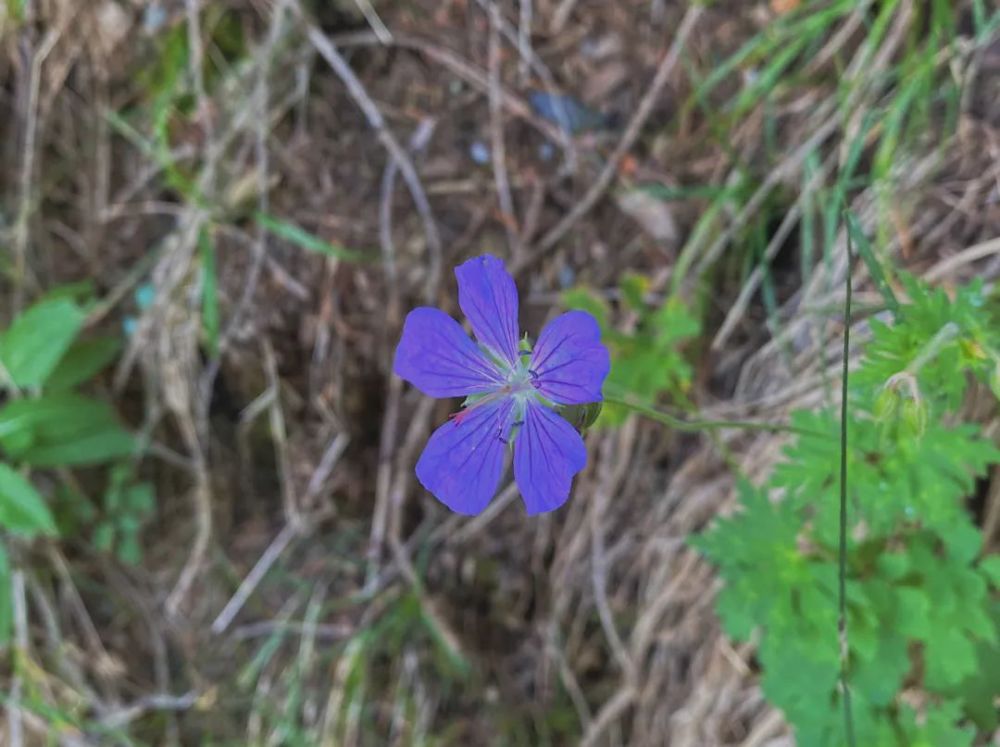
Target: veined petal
[
  {"x": 569, "y": 361},
  {"x": 488, "y": 297},
  {"x": 464, "y": 458},
  {"x": 547, "y": 453},
  {"x": 438, "y": 358}
]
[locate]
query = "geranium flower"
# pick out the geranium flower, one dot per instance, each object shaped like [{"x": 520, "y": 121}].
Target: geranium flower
[{"x": 511, "y": 390}]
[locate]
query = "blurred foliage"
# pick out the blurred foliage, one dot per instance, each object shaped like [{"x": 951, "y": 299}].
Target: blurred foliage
[
  {"x": 648, "y": 361},
  {"x": 919, "y": 600},
  {"x": 47, "y": 425}
]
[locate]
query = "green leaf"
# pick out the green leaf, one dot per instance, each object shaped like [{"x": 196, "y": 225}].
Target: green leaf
[
  {"x": 104, "y": 537},
  {"x": 913, "y": 609},
  {"x": 308, "y": 241},
  {"x": 91, "y": 448},
  {"x": 209, "y": 292},
  {"x": 62, "y": 429},
  {"x": 130, "y": 550},
  {"x": 950, "y": 658},
  {"x": 587, "y": 300},
  {"x": 991, "y": 567},
  {"x": 84, "y": 360},
  {"x": 22, "y": 510},
  {"x": 936, "y": 727},
  {"x": 37, "y": 340},
  {"x": 140, "y": 498},
  {"x": 6, "y": 602},
  {"x": 978, "y": 690},
  {"x": 864, "y": 249}
]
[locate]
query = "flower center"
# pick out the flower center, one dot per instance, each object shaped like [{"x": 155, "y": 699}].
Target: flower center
[
  {"x": 521, "y": 379},
  {"x": 521, "y": 387}
]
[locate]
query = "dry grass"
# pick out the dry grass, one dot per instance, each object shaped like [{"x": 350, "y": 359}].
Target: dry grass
[{"x": 298, "y": 587}]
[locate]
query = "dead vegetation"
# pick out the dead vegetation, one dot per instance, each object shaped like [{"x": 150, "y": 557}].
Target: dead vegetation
[{"x": 298, "y": 586}]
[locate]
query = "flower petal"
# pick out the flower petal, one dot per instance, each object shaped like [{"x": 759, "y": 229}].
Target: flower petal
[
  {"x": 464, "y": 458},
  {"x": 547, "y": 453},
  {"x": 438, "y": 358},
  {"x": 569, "y": 361},
  {"x": 488, "y": 297}
]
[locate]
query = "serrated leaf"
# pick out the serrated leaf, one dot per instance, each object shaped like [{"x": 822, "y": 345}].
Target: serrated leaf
[
  {"x": 950, "y": 658},
  {"x": 878, "y": 678},
  {"x": 22, "y": 510},
  {"x": 37, "y": 339},
  {"x": 936, "y": 726},
  {"x": 84, "y": 360},
  {"x": 913, "y": 609}
]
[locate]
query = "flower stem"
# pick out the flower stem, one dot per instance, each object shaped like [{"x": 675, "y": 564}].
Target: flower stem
[{"x": 681, "y": 424}]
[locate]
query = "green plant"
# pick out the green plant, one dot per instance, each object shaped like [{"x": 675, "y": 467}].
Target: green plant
[
  {"x": 47, "y": 424},
  {"x": 918, "y": 594},
  {"x": 648, "y": 361}
]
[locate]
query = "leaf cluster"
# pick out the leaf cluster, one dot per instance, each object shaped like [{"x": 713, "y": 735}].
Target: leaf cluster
[
  {"x": 920, "y": 614},
  {"x": 47, "y": 423},
  {"x": 649, "y": 360}
]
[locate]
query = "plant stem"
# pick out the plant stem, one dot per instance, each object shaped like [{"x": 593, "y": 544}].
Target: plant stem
[
  {"x": 842, "y": 571},
  {"x": 702, "y": 425}
]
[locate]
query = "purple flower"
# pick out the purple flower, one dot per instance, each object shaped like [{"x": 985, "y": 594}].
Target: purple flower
[{"x": 511, "y": 393}]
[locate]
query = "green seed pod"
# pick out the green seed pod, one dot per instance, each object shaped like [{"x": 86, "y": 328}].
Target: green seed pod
[
  {"x": 581, "y": 417},
  {"x": 914, "y": 417},
  {"x": 886, "y": 404}
]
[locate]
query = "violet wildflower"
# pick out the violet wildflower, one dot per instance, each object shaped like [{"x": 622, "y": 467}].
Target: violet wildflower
[{"x": 511, "y": 392}]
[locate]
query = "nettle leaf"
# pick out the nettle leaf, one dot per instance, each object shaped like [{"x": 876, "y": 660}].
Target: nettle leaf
[
  {"x": 62, "y": 429},
  {"x": 37, "y": 340},
  {"x": 23, "y": 511}
]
